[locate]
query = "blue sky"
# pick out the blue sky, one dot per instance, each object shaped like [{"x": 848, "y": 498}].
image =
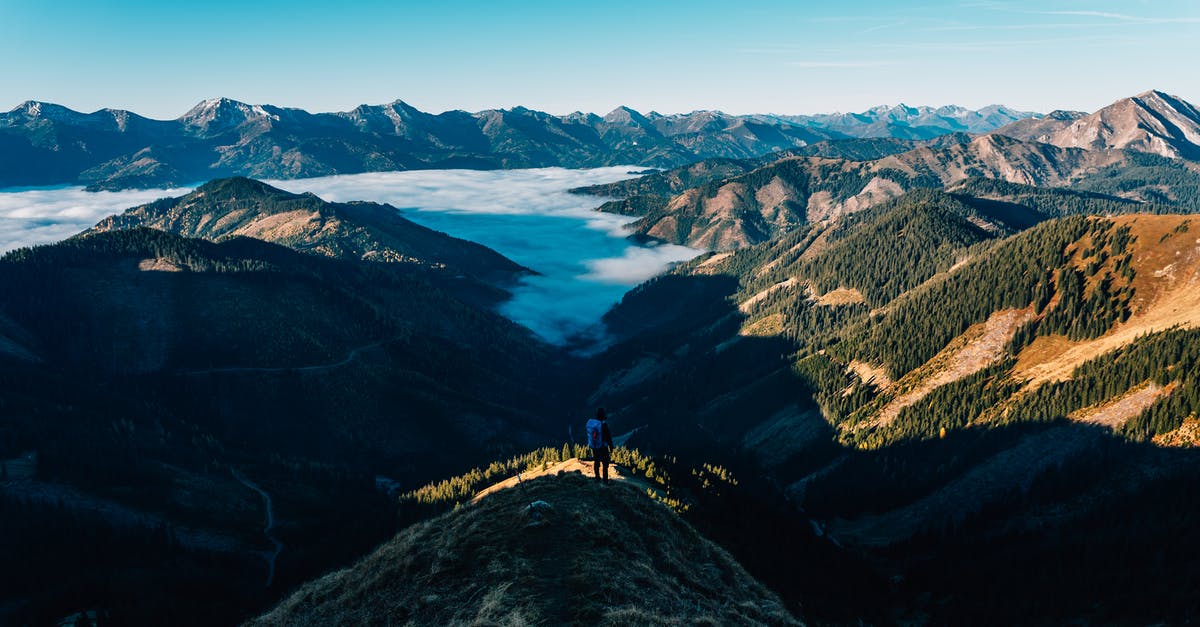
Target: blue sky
[{"x": 160, "y": 58}]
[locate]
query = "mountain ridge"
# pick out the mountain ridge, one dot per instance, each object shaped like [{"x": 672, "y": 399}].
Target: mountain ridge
[
  {"x": 223, "y": 209},
  {"x": 1152, "y": 121},
  {"x": 110, "y": 149},
  {"x": 720, "y": 205}
]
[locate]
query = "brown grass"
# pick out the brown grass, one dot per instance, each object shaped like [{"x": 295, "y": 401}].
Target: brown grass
[
  {"x": 767, "y": 326},
  {"x": 978, "y": 347},
  {"x": 1187, "y": 435},
  {"x": 841, "y": 296},
  {"x": 1167, "y": 286},
  {"x": 606, "y": 555}
]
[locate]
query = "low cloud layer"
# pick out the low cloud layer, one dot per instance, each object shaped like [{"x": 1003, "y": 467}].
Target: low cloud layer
[
  {"x": 46, "y": 215},
  {"x": 585, "y": 262},
  {"x": 636, "y": 264}
]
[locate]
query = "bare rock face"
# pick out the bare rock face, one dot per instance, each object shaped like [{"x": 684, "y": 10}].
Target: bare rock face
[{"x": 1152, "y": 122}]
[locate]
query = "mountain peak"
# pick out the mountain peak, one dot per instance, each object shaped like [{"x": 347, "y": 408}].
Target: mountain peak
[
  {"x": 1152, "y": 121},
  {"x": 625, "y": 115},
  {"x": 47, "y": 110},
  {"x": 236, "y": 184},
  {"x": 1153, "y": 93},
  {"x": 224, "y": 113}
]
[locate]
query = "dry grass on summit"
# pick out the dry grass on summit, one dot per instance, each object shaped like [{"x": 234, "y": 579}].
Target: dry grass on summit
[{"x": 605, "y": 555}]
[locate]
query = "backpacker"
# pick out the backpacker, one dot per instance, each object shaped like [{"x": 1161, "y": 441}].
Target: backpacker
[{"x": 595, "y": 433}]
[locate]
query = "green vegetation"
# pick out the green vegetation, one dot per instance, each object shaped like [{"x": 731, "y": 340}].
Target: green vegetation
[
  {"x": 909, "y": 240},
  {"x": 1168, "y": 359},
  {"x": 1008, "y": 276},
  {"x": 1150, "y": 178},
  {"x": 311, "y": 374}
]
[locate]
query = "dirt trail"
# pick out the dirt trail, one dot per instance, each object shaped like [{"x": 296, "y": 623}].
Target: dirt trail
[
  {"x": 571, "y": 465},
  {"x": 269, "y": 530},
  {"x": 977, "y": 348},
  {"x": 345, "y": 361}
]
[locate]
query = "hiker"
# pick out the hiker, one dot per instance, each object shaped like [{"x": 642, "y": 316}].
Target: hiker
[{"x": 601, "y": 442}]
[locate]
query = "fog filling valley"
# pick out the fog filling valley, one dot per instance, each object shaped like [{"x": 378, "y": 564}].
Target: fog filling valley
[{"x": 584, "y": 261}]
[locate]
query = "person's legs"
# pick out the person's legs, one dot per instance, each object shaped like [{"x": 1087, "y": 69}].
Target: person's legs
[{"x": 606, "y": 471}]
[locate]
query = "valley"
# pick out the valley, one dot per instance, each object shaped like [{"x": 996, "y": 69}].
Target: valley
[{"x": 886, "y": 379}]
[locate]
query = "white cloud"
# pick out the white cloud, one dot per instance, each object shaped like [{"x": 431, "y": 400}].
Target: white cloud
[
  {"x": 584, "y": 259},
  {"x": 541, "y": 191},
  {"x": 637, "y": 264},
  {"x": 45, "y": 215}
]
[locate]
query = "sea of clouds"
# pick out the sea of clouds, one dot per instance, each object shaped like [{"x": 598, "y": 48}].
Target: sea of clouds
[
  {"x": 50, "y": 214},
  {"x": 584, "y": 261}
]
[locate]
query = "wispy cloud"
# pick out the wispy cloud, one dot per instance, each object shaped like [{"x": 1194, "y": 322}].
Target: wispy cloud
[
  {"x": 1002, "y": 45},
  {"x": 880, "y": 27},
  {"x": 841, "y": 64},
  {"x": 1124, "y": 18}
]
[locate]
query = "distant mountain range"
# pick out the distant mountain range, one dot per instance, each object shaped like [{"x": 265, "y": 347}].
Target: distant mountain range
[
  {"x": 47, "y": 144},
  {"x": 905, "y": 122},
  {"x": 1129, "y": 149}
]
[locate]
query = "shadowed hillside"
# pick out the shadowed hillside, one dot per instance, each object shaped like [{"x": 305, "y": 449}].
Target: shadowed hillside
[{"x": 148, "y": 372}]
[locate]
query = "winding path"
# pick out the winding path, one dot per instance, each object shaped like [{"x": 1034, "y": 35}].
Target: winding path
[
  {"x": 272, "y": 555},
  {"x": 349, "y": 358}
]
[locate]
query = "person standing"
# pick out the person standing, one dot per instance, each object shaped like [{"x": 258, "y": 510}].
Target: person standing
[{"x": 601, "y": 442}]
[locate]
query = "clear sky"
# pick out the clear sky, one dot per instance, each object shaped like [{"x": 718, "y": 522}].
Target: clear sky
[{"x": 159, "y": 57}]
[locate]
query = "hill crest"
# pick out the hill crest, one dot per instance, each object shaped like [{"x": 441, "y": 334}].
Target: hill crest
[{"x": 594, "y": 554}]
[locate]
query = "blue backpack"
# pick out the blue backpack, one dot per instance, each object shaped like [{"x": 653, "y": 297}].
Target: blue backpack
[{"x": 595, "y": 433}]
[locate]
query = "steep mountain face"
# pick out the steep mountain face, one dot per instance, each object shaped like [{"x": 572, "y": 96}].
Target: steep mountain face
[
  {"x": 224, "y": 209},
  {"x": 1152, "y": 122},
  {"x": 780, "y": 196},
  {"x": 905, "y": 122},
  {"x": 554, "y": 550},
  {"x": 769, "y": 198},
  {"x": 723, "y": 205},
  {"x": 46, "y": 144},
  {"x": 156, "y": 379}
]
